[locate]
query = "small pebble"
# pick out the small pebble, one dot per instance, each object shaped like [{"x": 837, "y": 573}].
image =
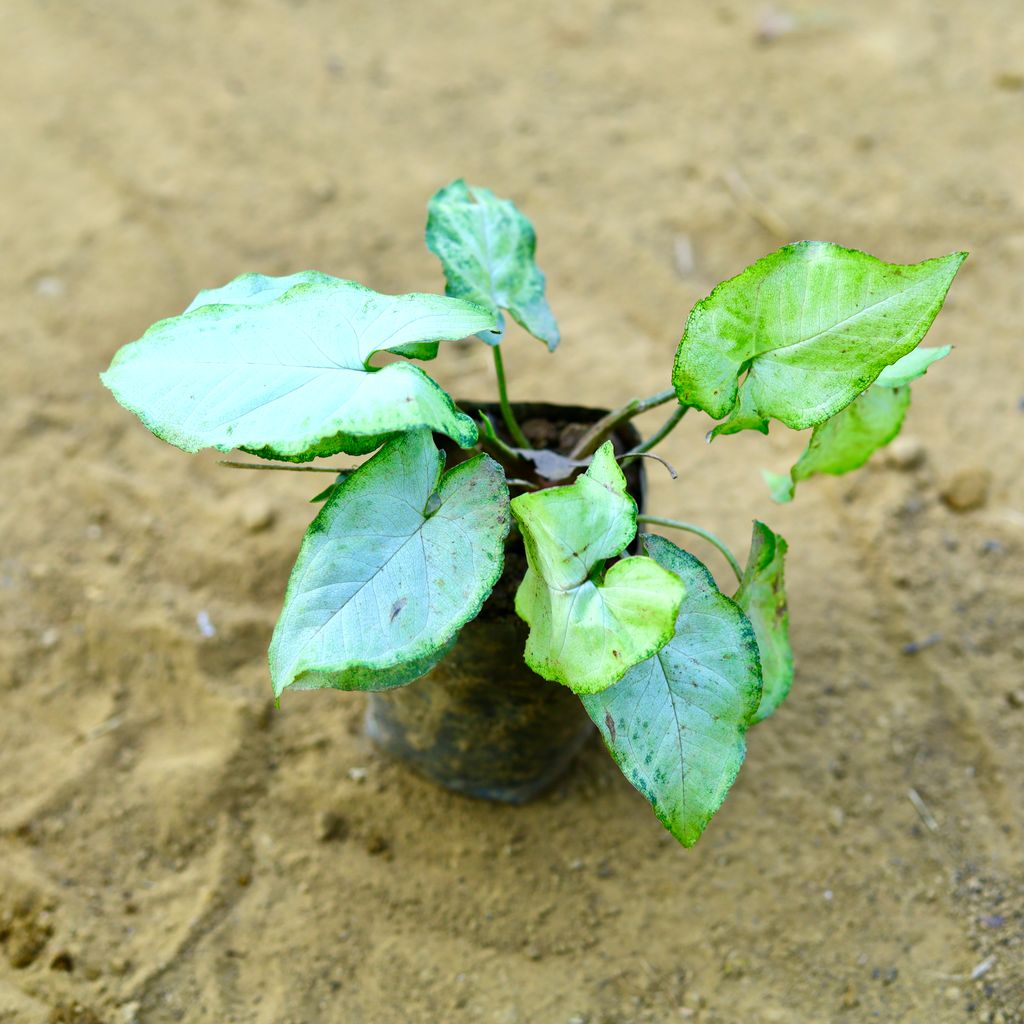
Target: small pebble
[
  {"x": 685, "y": 261},
  {"x": 1011, "y": 81},
  {"x": 967, "y": 489},
  {"x": 378, "y": 846},
  {"x": 330, "y": 827},
  {"x": 906, "y": 453},
  {"x": 257, "y": 516},
  {"x": 916, "y": 646},
  {"x": 63, "y": 961},
  {"x": 50, "y": 287}
]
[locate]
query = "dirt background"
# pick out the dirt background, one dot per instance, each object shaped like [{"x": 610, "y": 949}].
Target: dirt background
[{"x": 167, "y": 845}]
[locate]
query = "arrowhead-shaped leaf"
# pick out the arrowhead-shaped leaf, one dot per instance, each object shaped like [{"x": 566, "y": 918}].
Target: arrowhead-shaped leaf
[
  {"x": 486, "y": 247},
  {"x": 847, "y": 440},
  {"x": 399, "y": 559},
  {"x": 280, "y": 367},
  {"x": 811, "y": 326},
  {"x": 675, "y": 723},
  {"x": 588, "y": 626},
  {"x": 762, "y": 596}
]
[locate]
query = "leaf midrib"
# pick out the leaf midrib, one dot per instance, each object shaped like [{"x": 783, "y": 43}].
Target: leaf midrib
[{"x": 845, "y": 320}]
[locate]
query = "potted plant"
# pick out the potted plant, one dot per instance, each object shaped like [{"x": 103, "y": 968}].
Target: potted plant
[{"x": 489, "y": 554}]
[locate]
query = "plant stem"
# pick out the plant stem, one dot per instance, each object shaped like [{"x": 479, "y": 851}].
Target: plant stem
[
  {"x": 493, "y": 445},
  {"x": 506, "y": 409},
  {"x": 700, "y": 532},
  {"x": 659, "y": 435},
  {"x": 282, "y": 469},
  {"x": 591, "y": 440}
]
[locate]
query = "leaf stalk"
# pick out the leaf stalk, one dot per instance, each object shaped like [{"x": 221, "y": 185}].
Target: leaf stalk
[
  {"x": 506, "y": 409},
  {"x": 678, "y": 524},
  {"x": 599, "y": 431},
  {"x": 658, "y": 436},
  {"x": 282, "y": 469}
]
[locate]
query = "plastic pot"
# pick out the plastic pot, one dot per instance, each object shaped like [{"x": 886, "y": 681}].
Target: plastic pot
[{"x": 480, "y": 722}]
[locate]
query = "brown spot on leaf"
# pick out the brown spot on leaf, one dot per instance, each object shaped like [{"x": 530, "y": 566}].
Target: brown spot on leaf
[
  {"x": 397, "y": 607},
  {"x": 610, "y": 724}
]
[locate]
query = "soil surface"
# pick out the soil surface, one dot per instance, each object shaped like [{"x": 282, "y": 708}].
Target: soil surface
[{"x": 174, "y": 849}]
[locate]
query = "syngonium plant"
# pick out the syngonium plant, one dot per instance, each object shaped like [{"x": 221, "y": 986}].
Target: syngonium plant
[{"x": 404, "y": 552}]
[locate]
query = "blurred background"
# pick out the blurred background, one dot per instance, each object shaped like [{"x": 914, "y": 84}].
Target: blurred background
[{"x": 171, "y": 847}]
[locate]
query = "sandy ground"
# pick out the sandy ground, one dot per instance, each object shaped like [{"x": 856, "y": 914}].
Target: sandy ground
[{"x": 160, "y": 853}]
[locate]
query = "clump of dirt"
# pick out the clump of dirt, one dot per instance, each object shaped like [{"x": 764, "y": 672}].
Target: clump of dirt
[{"x": 25, "y": 928}]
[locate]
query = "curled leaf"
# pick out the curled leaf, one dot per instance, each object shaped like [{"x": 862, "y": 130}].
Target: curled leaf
[
  {"x": 588, "y": 625},
  {"x": 762, "y": 596},
  {"x": 847, "y": 440}
]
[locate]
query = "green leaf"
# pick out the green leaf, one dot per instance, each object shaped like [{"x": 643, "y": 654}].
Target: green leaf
[
  {"x": 811, "y": 326},
  {"x": 675, "y": 723},
  {"x": 762, "y": 595},
  {"x": 847, "y": 440},
  {"x": 280, "y": 367},
  {"x": 254, "y": 289},
  {"x": 913, "y": 365},
  {"x": 588, "y": 626},
  {"x": 486, "y": 247},
  {"x": 396, "y": 563},
  {"x": 259, "y": 289},
  {"x": 780, "y": 485}
]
